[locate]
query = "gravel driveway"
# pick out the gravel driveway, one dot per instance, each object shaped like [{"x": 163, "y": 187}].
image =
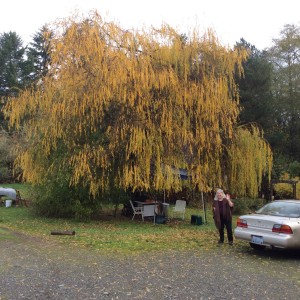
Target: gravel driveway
[{"x": 37, "y": 269}]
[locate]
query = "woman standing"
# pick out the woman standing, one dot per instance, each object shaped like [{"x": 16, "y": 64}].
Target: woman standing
[{"x": 222, "y": 213}]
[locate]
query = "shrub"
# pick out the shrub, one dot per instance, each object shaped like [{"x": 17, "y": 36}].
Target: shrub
[
  {"x": 56, "y": 198},
  {"x": 247, "y": 205},
  {"x": 294, "y": 169},
  {"x": 285, "y": 190}
]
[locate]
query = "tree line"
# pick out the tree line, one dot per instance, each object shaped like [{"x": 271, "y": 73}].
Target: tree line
[
  {"x": 99, "y": 110},
  {"x": 270, "y": 97},
  {"x": 20, "y": 67}
]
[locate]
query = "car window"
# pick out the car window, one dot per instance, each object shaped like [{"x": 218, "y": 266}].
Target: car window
[{"x": 283, "y": 209}]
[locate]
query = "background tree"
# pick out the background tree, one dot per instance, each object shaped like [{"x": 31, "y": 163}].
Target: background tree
[
  {"x": 255, "y": 90},
  {"x": 285, "y": 58},
  {"x": 15, "y": 75},
  {"x": 124, "y": 110},
  {"x": 8, "y": 147},
  {"x": 269, "y": 96},
  {"x": 248, "y": 141},
  {"x": 257, "y": 107},
  {"x": 39, "y": 52},
  {"x": 15, "y": 69}
]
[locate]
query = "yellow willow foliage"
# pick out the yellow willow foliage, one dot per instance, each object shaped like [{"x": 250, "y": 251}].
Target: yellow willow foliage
[
  {"x": 250, "y": 157},
  {"x": 130, "y": 108}
]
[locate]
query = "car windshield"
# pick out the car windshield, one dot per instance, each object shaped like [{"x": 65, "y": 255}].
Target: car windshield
[{"x": 283, "y": 209}]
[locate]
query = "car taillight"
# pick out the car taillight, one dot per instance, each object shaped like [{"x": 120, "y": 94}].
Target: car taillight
[
  {"x": 282, "y": 229},
  {"x": 241, "y": 223}
]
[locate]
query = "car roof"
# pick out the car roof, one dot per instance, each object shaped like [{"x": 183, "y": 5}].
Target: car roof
[{"x": 287, "y": 200}]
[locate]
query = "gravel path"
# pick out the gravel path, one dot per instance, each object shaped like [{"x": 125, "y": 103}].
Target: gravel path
[{"x": 38, "y": 269}]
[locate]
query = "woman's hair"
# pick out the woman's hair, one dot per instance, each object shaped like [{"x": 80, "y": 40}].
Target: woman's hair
[{"x": 219, "y": 191}]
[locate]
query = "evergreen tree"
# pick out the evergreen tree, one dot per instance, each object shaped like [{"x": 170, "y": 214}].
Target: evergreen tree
[
  {"x": 15, "y": 69},
  {"x": 39, "y": 52},
  {"x": 285, "y": 58},
  {"x": 255, "y": 89}
]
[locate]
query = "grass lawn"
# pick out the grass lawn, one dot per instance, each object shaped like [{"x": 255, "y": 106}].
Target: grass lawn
[
  {"x": 118, "y": 234},
  {"x": 115, "y": 234}
]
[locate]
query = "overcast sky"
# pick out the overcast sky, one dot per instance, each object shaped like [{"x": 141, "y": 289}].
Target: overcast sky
[{"x": 257, "y": 21}]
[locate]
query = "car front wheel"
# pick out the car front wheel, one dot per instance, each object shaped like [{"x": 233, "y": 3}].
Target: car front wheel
[{"x": 257, "y": 247}]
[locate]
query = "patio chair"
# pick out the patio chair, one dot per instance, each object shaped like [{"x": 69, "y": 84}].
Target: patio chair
[
  {"x": 137, "y": 210},
  {"x": 179, "y": 208}
]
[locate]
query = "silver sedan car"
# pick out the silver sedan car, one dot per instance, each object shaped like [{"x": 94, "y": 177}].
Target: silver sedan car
[{"x": 275, "y": 225}]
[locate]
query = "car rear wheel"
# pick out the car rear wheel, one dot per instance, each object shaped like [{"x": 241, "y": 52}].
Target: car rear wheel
[{"x": 257, "y": 247}]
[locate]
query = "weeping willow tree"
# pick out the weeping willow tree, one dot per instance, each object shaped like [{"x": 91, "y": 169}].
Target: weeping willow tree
[
  {"x": 124, "y": 109},
  {"x": 249, "y": 158}
]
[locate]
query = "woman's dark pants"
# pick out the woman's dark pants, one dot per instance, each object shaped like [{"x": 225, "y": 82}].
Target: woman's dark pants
[{"x": 228, "y": 225}]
